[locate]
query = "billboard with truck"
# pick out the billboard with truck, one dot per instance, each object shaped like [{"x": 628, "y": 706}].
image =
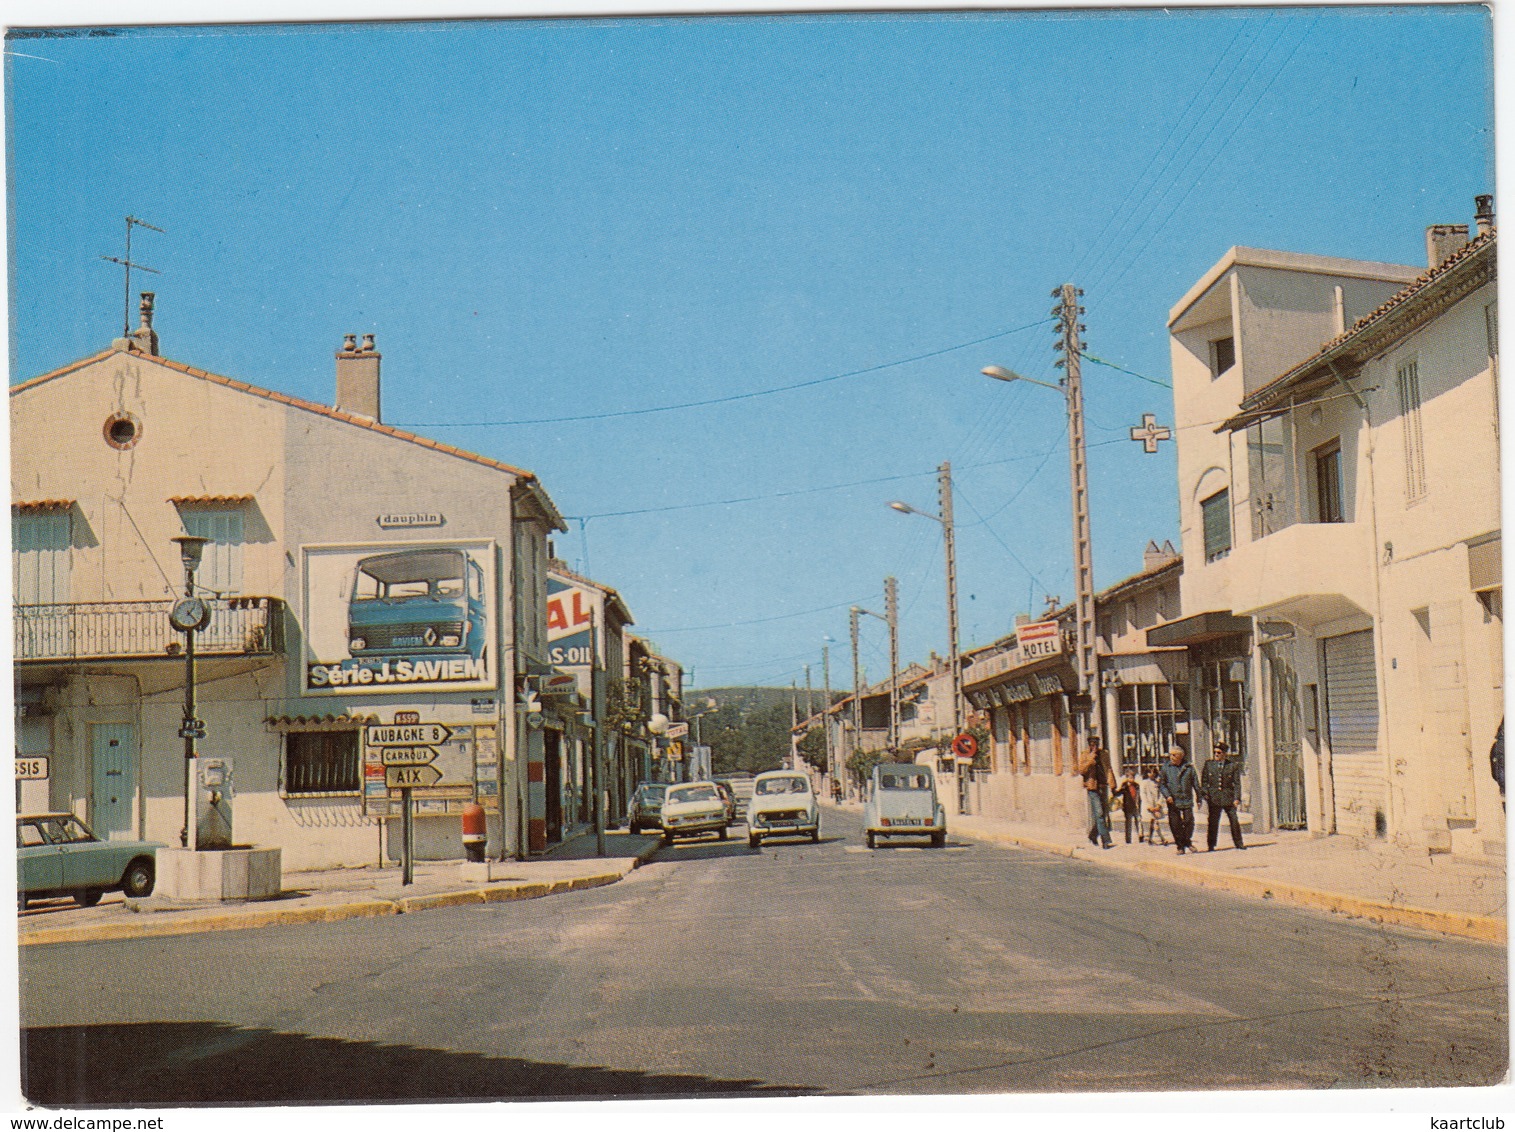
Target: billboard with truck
[{"x": 399, "y": 617}]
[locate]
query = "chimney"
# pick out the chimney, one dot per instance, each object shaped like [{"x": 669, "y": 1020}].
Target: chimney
[
  {"x": 1155, "y": 556},
  {"x": 1485, "y": 213},
  {"x": 358, "y": 377},
  {"x": 145, "y": 338},
  {"x": 1444, "y": 241}
]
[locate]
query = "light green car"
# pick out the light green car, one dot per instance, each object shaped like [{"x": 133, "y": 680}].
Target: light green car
[{"x": 57, "y": 855}]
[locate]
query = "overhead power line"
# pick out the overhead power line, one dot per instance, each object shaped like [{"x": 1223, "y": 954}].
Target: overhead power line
[{"x": 732, "y": 397}]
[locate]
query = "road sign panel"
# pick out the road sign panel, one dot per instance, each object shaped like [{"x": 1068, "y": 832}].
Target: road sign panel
[
  {"x": 406, "y": 735},
  {"x": 31, "y": 767},
  {"x": 407, "y": 756},
  {"x": 677, "y": 730},
  {"x": 965, "y": 747},
  {"x": 404, "y": 777}
]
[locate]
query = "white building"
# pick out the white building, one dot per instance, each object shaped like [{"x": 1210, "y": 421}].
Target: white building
[
  {"x": 1340, "y": 517},
  {"x": 357, "y": 575}
]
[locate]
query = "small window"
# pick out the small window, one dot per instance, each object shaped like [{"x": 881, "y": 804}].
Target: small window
[
  {"x": 221, "y": 562},
  {"x": 321, "y": 762},
  {"x": 1217, "y": 523},
  {"x": 1407, "y": 379},
  {"x": 1328, "y": 507},
  {"x": 1222, "y": 355}
]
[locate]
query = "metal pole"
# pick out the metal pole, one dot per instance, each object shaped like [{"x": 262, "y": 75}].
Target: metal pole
[
  {"x": 794, "y": 711},
  {"x": 1083, "y": 554},
  {"x": 892, "y": 616},
  {"x": 944, "y": 491},
  {"x": 407, "y": 837},
  {"x": 189, "y": 708}
]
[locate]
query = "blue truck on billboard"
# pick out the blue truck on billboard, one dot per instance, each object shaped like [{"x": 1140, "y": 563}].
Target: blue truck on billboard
[
  {"x": 416, "y": 616},
  {"x": 427, "y": 602}
]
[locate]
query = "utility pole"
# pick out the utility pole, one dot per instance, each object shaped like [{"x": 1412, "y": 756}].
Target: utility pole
[
  {"x": 944, "y": 494},
  {"x": 892, "y": 616},
  {"x": 794, "y": 711},
  {"x": 1071, "y": 345},
  {"x": 857, "y": 685},
  {"x": 826, "y": 709}
]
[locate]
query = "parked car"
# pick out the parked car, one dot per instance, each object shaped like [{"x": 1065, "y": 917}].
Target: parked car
[
  {"x": 783, "y": 805},
  {"x": 645, "y": 810},
  {"x": 902, "y": 802},
  {"x": 57, "y": 855},
  {"x": 740, "y": 786},
  {"x": 691, "y": 808}
]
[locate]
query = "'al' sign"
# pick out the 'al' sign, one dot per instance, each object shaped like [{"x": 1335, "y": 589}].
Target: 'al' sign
[{"x": 570, "y": 614}]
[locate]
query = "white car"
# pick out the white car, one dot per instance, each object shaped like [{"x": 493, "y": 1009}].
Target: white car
[
  {"x": 783, "y": 805},
  {"x": 691, "y": 808},
  {"x": 902, "y": 802}
]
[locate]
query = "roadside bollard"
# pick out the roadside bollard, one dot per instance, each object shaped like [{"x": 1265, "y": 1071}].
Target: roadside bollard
[{"x": 473, "y": 831}]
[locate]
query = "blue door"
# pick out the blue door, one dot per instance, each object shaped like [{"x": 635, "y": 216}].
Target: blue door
[{"x": 115, "y": 761}]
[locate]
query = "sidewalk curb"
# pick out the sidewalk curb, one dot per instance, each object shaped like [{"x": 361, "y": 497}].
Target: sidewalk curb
[
  {"x": 1486, "y": 929},
  {"x": 252, "y": 916}
]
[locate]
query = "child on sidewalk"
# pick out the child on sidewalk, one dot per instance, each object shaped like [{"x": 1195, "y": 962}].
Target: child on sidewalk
[
  {"x": 1152, "y": 809},
  {"x": 1129, "y": 796}
]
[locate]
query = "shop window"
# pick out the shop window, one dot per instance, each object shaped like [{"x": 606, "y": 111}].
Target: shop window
[
  {"x": 1216, "y": 512},
  {"x": 1150, "y": 715},
  {"x": 321, "y": 762}
]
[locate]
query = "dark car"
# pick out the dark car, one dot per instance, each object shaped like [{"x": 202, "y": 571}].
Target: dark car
[
  {"x": 646, "y": 808},
  {"x": 57, "y": 855}
]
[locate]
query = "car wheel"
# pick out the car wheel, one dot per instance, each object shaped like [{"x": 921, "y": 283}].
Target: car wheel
[
  {"x": 939, "y": 839},
  {"x": 815, "y": 836},
  {"x": 87, "y": 897},
  {"x": 667, "y": 839},
  {"x": 753, "y": 841},
  {"x": 871, "y": 839},
  {"x": 21, "y": 902},
  {"x": 137, "y": 881},
  {"x": 723, "y": 833}
]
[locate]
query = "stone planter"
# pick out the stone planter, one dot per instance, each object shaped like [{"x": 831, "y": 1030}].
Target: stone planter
[{"x": 240, "y": 873}]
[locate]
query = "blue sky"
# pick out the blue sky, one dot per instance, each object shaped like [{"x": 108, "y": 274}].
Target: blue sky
[{"x": 543, "y": 219}]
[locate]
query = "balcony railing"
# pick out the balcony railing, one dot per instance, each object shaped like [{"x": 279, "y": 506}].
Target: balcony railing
[{"x": 239, "y": 626}]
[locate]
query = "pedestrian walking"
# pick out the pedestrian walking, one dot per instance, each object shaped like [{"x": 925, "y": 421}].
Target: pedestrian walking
[
  {"x": 1220, "y": 783},
  {"x": 1128, "y": 793},
  {"x": 1177, "y": 784},
  {"x": 1095, "y": 771},
  {"x": 1152, "y": 810}
]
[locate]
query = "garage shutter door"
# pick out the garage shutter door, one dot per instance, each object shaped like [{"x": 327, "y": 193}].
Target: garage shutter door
[{"x": 1352, "y": 721}]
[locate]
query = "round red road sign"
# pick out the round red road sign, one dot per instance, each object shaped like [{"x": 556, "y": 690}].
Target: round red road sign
[{"x": 965, "y": 746}]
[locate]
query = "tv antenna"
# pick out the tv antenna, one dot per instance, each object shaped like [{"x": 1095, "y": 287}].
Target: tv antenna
[{"x": 126, "y": 309}]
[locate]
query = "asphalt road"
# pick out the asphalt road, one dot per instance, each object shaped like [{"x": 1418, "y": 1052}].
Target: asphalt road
[{"x": 798, "y": 968}]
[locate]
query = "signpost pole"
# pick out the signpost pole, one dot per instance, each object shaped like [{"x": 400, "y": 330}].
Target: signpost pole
[{"x": 407, "y": 838}]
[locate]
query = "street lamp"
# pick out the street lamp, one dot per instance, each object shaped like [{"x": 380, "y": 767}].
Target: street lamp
[
  {"x": 944, "y": 495},
  {"x": 1072, "y": 389},
  {"x": 189, "y": 615}
]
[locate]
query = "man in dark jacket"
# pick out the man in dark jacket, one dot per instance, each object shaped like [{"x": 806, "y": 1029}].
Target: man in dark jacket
[
  {"x": 1220, "y": 783},
  {"x": 1176, "y": 783}
]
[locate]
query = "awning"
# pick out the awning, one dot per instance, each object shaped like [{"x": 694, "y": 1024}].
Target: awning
[
  {"x": 210, "y": 500},
  {"x": 319, "y": 722},
  {"x": 1485, "y": 563},
  {"x": 43, "y": 505},
  {"x": 1198, "y": 629}
]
